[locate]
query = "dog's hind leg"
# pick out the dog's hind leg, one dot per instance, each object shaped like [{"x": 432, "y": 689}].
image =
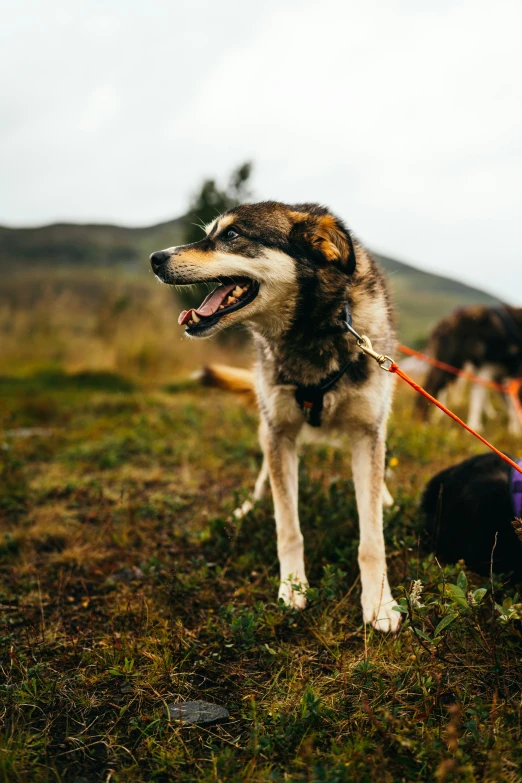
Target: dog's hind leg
[
  {"x": 281, "y": 455},
  {"x": 489, "y": 410},
  {"x": 514, "y": 425},
  {"x": 443, "y": 399},
  {"x": 458, "y": 389},
  {"x": 368, "y": 475},
  {"x": 387, "y": 497},
  {"x": 258, "y": 494},
  {"x": 477, "y": 398}
]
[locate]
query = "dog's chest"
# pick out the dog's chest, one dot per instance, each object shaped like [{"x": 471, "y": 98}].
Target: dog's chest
[{"x": 340, "y": 408}]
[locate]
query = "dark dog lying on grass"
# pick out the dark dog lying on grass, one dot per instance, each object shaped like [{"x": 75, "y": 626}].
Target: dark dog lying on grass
[{"x": 466, "y": 505}]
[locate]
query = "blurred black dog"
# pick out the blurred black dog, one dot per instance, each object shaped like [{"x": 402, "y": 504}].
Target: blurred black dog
[{"x": 466, "y": 505}]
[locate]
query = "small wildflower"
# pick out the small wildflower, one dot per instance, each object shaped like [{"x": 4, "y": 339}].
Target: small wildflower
[
  {"x": 471, "y": 599},
  {"x": 393, "y": 462},
  {"x": 416, "y": 591}
]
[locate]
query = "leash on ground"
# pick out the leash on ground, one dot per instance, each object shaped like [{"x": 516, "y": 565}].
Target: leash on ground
[{"x": 386, "y": 363}]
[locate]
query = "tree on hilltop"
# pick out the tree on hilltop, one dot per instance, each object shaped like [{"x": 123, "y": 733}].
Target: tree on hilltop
[
  {"x": 211, "y": 201},
  {"x": 207, "y": 204}
]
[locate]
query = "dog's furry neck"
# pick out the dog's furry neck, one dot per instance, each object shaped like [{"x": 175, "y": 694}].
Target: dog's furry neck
[
  {"x": 312, "y": 347},
  {"x": 307, "y": 365},
  {"x": 304, "y": 352}
]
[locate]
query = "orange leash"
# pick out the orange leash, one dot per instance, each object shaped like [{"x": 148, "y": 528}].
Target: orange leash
[
  {"x": 453, "y": 370},
  {"x": 397, "y": 370},
  {"x": 511, "y": 389},
  {"x": 386, "y": 363}
]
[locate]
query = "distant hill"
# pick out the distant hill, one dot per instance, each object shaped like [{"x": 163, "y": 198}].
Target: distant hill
[
  {"x": 421, "y": 297},
  {"x": 70, "y": 243}
]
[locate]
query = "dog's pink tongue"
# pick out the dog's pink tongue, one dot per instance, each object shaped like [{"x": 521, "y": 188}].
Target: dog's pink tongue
[{"x": 211, "y": 304}]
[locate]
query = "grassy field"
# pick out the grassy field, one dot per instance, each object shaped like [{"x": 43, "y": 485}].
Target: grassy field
[{"x": 125, "y": 586}]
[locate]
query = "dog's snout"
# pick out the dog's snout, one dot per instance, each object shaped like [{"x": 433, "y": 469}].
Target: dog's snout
[{"x": 158, "y": 259}]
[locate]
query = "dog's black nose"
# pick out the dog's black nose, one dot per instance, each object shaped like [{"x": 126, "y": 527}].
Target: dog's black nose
[{"x": 158, "y": 259}]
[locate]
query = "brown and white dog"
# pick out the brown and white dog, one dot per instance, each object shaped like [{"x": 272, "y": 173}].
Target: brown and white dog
[
  {"x": 288, "y": 272},
  {"x": 486, "y": 341}
]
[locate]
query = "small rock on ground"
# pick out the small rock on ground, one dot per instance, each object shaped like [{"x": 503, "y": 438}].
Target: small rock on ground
[
  {"x": 131, "y": 574},
  {"x": 202, "y": 713}
]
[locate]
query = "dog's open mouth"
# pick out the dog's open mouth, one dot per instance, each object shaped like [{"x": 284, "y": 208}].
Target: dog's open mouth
[{"x": 232, "y": 294}]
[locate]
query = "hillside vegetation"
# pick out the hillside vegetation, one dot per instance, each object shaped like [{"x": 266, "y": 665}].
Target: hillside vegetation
[
  {"x": 65, "y": 253},
  {"x": 422, "y": 298}
]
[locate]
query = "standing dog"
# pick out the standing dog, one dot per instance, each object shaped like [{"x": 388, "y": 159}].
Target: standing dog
[
  {"x": 288, "y": 273},
  {"x": 487, "y": 341}
]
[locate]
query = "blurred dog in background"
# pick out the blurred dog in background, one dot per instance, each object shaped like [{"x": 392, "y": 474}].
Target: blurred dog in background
[{"x": 486, "y": 341}]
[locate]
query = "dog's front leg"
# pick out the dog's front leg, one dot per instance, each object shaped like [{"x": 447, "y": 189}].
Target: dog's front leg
[
  {"x": 281, "y": 456},
  {"x": 368, "y": 473}
]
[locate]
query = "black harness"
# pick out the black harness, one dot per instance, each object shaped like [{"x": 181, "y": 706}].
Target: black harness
[{"x": 311, "y": 398}]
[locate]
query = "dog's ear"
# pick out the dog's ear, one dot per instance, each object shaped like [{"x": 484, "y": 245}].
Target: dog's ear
[{"x": 327, "y": 235}]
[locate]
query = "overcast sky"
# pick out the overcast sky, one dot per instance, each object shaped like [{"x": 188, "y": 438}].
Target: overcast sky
[{"x": 404, "y": 117}]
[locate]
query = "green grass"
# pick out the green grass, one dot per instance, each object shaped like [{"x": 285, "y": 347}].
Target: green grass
[{"x": 127, "y": 477}]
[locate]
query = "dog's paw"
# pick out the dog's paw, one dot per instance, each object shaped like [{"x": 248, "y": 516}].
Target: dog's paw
[
  {"x": 243, "y": 510},
  {"x": 379, "y": 613},
  {"x": 293, "y": 593}
]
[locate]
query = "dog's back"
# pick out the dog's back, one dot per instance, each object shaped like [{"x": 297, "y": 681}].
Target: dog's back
[{"x": 464, "y": 507}]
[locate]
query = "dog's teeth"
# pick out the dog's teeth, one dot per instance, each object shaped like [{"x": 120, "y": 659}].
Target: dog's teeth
[
  {"x": 221, "y": 307},
  {"x": 237, "y": 291},
  {"x": 191, "y": 322},
  {"x": 196, "y": 318},
  {"x": 231, "y": 300}
]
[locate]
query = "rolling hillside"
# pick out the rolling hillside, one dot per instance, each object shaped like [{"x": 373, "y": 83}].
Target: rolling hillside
[
  {"x": 70, "y": 244},
  {"x": 70, "y": 249},
  {"x": 422, "y": 297}
]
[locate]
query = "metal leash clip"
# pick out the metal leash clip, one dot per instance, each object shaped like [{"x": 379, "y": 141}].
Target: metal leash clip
[
  {"x": 384, "y": 362},
  {"x": 364, "y": 343}
]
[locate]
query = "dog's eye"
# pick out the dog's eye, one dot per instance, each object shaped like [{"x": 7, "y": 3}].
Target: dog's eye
[{"x": 230, "y": 233}]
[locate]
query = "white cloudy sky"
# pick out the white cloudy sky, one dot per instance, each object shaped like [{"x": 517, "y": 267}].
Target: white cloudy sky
[{"x": 404, "y": 116}]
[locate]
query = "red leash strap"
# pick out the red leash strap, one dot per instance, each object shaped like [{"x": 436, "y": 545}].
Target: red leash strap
[
  {"x": 397, "y": 370},
  {"x": 453, "y": 370},
  {"x": 386, "y": 363},
  {"x": 511, "y": 389}
]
